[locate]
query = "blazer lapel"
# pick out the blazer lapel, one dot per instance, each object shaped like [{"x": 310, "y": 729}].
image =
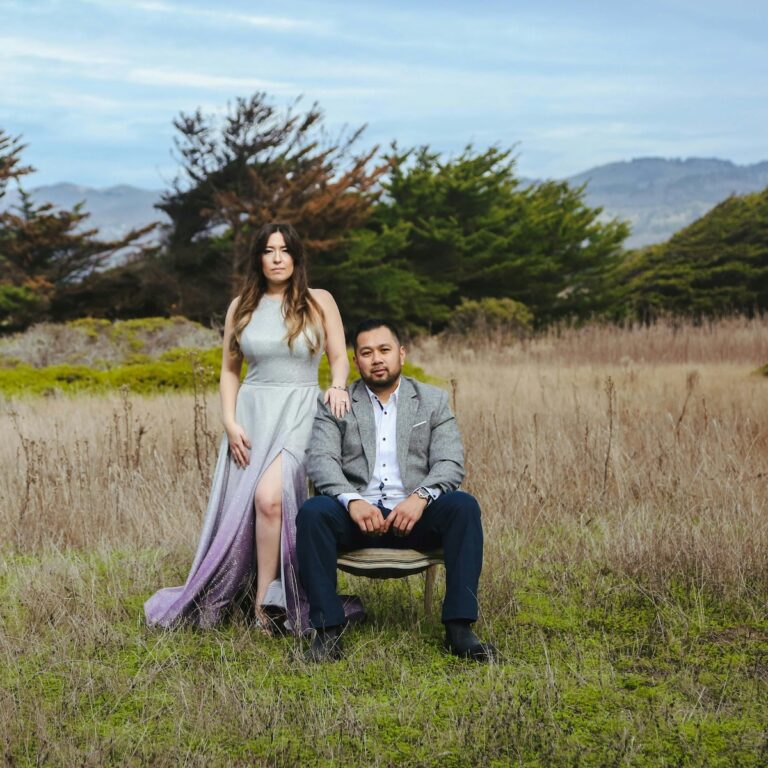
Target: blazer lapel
[
  {"x": 363, "y": 410},
  {"x": 407, "y": 405}
]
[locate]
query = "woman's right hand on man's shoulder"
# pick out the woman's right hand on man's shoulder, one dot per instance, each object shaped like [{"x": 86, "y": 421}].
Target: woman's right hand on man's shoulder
[{"x": 239, "y": 444}]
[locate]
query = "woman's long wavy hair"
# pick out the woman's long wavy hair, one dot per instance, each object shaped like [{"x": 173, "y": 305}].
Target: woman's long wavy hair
[{"x": 303, "y": 315}]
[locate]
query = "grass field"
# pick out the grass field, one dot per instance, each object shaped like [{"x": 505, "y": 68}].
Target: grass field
[{"x": 622, "y": 476}]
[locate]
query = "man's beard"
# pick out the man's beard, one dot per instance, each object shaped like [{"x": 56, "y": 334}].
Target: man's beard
[{"x": 375, "y": 384}]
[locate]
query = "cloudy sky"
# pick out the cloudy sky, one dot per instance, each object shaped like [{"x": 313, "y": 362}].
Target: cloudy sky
[{"x": 93, "y": 85}]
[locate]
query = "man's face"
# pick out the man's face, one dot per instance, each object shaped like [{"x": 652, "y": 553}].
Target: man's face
[{"x": 379, "y": 357}]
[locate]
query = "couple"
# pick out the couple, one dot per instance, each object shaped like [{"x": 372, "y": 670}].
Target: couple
[{"x": 386, "y": 458}]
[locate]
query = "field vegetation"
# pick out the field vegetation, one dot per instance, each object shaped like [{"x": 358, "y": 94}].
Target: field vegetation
[
  {"x": 143, "y": 356},
  {"x": 622, "y": 476}
]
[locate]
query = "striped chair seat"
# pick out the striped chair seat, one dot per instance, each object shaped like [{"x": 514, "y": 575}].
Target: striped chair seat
[{"x": 382, "y": 563}]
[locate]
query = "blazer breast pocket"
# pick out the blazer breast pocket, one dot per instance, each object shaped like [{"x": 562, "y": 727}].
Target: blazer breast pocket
[{"x": 420, "y": 434}]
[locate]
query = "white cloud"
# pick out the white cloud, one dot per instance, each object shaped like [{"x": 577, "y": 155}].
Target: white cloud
[
  {"x": 229, "y": 18},
  {"x": 27, "y": 48},
  {"x": 186, "y": 79}
]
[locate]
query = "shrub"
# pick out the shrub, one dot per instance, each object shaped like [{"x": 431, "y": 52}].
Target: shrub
[
  {"x": 175, "y": 370},
  {"x": 99, "y": 343},
  {"x": 491, "y": 318},
  {"x": 140, "y": 377}
]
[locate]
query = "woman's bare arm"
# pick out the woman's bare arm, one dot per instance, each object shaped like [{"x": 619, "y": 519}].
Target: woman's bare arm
[
  {"x": 336, "y": 349},
  {"x": 229, "y": 385}
]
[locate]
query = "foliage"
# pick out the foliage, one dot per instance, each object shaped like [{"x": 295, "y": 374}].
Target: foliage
[
  {"x": 716, "y": 266},
  {"x": 139, "y": 288},
  {"x": 181, "y": 369},
  {"x": 21, "y": 301},
  {"x": 175, "y": 370},
  {"x": 445, "y": 229},
  {"x": 410, "y": 236},
  {"x": 474, "y": 232},
  {"x": 11, "y": 168},
  {"x": 490, "y": 318},
  {"x": 375, "y": 278},
  {"x": 257, "y": 164},
  {"x": 41, "y": 249}
]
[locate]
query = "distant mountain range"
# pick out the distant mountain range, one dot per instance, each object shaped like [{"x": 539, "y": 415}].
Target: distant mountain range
[
  {"x": 114, "y": 210},
  {"x": 657, "y": 196}
]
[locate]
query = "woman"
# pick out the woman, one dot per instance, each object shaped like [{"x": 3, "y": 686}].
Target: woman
[{"x": 280, "y": 327}]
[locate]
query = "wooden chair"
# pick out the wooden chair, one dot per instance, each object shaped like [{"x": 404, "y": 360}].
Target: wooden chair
[{"x": 381, "y": 563}]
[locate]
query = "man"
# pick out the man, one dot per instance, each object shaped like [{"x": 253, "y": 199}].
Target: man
[{"x": 388, "y": 473}]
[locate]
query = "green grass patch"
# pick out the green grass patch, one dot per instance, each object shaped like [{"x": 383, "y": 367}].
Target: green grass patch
[
  {"x": 597, "y": 671},
  {"x": 175, "y": 370}
]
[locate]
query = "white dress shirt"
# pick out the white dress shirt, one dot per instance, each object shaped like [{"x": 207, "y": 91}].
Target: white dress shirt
[{"x": 385, "y": 488}]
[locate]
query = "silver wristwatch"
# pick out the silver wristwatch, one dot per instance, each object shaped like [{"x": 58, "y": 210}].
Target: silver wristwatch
[{"x": 423, "y": 493}]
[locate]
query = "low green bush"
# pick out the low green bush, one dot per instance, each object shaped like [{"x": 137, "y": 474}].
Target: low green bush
[
  {"x": 491, "y": 317},
  {"x": 175, "y": 370},
  {"x": 139, "y": 377}
]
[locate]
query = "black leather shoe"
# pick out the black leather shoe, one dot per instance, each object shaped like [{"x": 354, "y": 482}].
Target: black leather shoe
[
  {"x": 325, "y": 646},
  {"x": 461, "y": 641}
]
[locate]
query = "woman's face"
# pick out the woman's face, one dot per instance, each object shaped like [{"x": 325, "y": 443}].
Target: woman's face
[{"x": 276, "y": 262}]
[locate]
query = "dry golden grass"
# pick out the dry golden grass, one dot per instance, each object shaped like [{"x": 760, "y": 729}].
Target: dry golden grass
[
  {"x": 658, "y": 468},
  {"x": 105, "y": 472},
  {"x": 643, "y": 449},
  {"x": 622, "y": 477},
  {"x": 730, "y": 340}
]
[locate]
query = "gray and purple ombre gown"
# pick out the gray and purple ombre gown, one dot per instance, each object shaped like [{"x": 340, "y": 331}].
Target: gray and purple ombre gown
[{"x": 275, "y": 406}]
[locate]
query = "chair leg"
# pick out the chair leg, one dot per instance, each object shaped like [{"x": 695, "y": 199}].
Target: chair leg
[{"x": 429, "y": 588}]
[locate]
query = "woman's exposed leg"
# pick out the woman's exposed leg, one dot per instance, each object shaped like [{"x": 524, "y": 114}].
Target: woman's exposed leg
[{"x": 268, "y": 505}]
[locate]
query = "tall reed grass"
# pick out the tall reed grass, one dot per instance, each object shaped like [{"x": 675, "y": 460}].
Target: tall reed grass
[
  {"x": 622, "y": 477},
  {"x": 644, "y": 450}
]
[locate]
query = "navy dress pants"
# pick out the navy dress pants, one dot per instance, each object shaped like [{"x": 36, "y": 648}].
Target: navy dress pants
[{"x": 452, "y": 522}]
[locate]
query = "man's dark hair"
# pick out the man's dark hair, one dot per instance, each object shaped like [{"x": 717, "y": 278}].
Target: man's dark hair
[{"x": 376, "y": 322}]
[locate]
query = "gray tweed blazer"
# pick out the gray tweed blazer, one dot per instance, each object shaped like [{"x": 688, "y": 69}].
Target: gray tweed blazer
[{"x": 342, "y": 452}]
